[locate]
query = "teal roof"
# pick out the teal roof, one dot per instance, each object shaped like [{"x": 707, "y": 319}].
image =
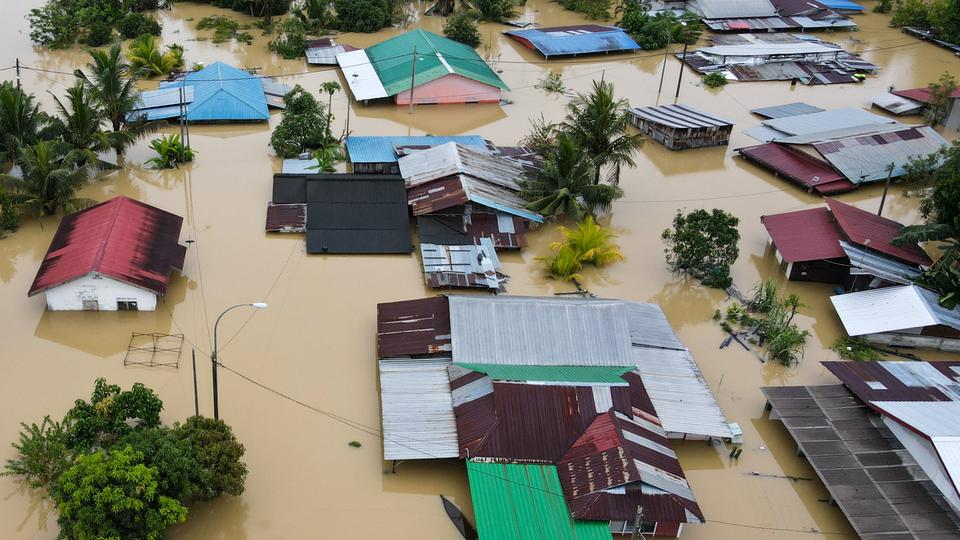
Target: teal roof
[
  {"x": 437, "y": 56},
  {"x": 521, "y": 501},
  {"x": 567, "y": 374}
]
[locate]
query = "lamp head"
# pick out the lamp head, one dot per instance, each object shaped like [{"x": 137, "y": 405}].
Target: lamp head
[{"x": 259, "y": 305}]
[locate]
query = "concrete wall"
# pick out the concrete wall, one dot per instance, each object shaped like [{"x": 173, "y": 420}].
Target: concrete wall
[
  {"x": 104, "y": 290},
  {"x": 451, "y": 88}
]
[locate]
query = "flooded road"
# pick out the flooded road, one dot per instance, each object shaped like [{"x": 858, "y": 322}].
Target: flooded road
[{"x": 316, "y": 343}]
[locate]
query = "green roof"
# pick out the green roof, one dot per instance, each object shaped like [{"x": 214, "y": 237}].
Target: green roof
[
  {"x": 517, "y": 501},
  {"x": 568, "y": 374},
  {"x": 391, "y": 59}
]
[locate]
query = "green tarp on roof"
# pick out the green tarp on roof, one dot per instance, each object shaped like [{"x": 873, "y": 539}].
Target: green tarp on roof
[
  {"x": 567, "y": 374},
  {"x": 516, "y": 501},
  {"x": 436, "y": 56}
]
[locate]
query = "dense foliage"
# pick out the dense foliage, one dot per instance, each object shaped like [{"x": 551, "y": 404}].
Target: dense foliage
[
  {"x": 589, "y": 243},
  {"x": 940, "y": 98},
  {"x": 305, "y": 125},
  {"x": 59, "y": 23},
  {"x": 225, "y": 29},
  {"x": 365, "y": 15},
  {"x": 714, "y": 80},
  {"x": 854, "y": 348},
  {"x": 290, "y": 40},
  {"x": 657, "y": 31},
  {"x": 940, "y": 16},
  {"x": 495, "y": 10},
  {"x": 113, "y": 471},
  {"x": 254, "y": 8},
  {"x": 135, "y": 25},
  {"x": 704, "y": 245},
  {"x": 171, "y": 152},
  {"x": 462, "y": 27},
  {"x": 593, "y": 9}
]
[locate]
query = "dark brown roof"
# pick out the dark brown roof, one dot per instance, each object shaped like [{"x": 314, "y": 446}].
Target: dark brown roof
[
  {"x": 413, "y": 327},
  {"x": 896, "y": 380},
  {"x": 286, "y": 217}
]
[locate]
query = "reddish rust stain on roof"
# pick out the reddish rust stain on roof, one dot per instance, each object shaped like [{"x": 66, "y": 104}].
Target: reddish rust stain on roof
[{"x": 798, "y": 167}]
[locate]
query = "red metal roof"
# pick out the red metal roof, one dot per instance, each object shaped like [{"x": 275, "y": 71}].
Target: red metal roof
[
  {"x": 798, "y": 167},
  {"x": 859, "y": 226},
  {"x": 413, "y": 327},
  {"x": 805, "y": 235},
  {"x": 892, "y": 387},
  {"x": 920, "y": 94},
  {"x": 122, "y": 238}
]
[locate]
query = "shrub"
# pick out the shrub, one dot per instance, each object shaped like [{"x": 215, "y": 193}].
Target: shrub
[
  {"x": 714, "y": 80},
  {"x": 225, "y": 29},
  {"x": 137, "y": 24},
  {"x": 495, "y": 10},
  {"x": 291, "y": 39},
  {"x": 551, "y": 83},
  {"x": 588, "y": 243},
  {"x": 218, "y": 454},
  {"x": 9, "y": 215},
  {"x": 883, "y": 6},
  {"x": 362, "y": 15},
  {"x": 53, "y": 25},
  {"x": 105, "y": 417},
  {"x": 99, "y": 33},
  {"x": 593, "y": 9},
  {"x": 462, "y": 27},
  {"x": 854, "y": 348},
  {"x": 43, "y": 453},
  {"x": 170, "y": 152},
  {"x": 704, "y": 245},
  {"x": 304, "y": 126}
]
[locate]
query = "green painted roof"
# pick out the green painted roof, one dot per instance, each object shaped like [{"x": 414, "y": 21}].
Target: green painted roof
[
  {"x": 568, "y": 374},
  {"x": 516, "y": 501},
  {"x": 391, "y": 59}
]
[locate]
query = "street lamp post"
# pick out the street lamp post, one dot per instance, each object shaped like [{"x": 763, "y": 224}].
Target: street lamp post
[{"x": 213, "y": 354}]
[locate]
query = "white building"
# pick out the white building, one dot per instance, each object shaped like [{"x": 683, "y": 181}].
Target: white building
[{"x": 116, "y": 255}]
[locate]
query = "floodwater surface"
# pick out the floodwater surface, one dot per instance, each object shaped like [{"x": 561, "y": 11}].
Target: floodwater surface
[{"x": 316, "y": 343}]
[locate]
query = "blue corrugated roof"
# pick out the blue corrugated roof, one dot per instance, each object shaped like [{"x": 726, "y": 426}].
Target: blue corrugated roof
[
  {"x": 572, "y": 40},
  {"x": 224, "y": 93},
  {"x": 380, "y": 149},
  {"x": 843, "y": 5}
]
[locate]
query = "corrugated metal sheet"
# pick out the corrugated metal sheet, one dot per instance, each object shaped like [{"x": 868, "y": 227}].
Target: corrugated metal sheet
[
  {"x": 517, "y": 501},
  {"x": 867, "y": 262},
  {"x": 299, "y": 166},
  {"x": 724, "y": 9},
  {"x": 122, "y": 238},
  {"x": 788, "y": 109},
  {"x": 361, "y": 77},
  {"x": 469, "y": 226},
  {"x": 165, "y": 97},
  {"x": 806, "y": 124},
  {"x": 450, "y": 158},
  {"x": 876, "y": 232},
  {"x": 933, "y": 419},
  {"x": 287, "y": 218},
  {"x": 937, "y": 458},
  {"x": 763, "y": 50},
  {"x": 891, "y": 309},
  {"x": 456, "y": 191},
  {"x": 326, "y": 56},
  {"x": 413, "y": 327},
  {"x": 798, "y": 167},
  {"x": 841, "y": 134},
  {"x": 649, "y": 327},
  {"x": 921, "y": 95},
  {"x": 224, "y": 94},
  {"x": 898, "y": 105},
  {"x": 365, "y": 149},
  {"x": 417, "y": 410},
  {"x": 574, "y": 40},
  {"x": 680, "y": 393},
  {"x": 603, "y": 376},
  {"x": 899, "y": 381},
  {"x": 535, "y": 330},
  {"x": 462, "y": 266},
  {"x": 804, "y": 235},
  {"x": 866, "y": 158},
  {"x": 679, "y": 116}
]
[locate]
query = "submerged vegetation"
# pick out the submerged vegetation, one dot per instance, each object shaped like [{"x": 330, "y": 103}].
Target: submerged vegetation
[
  {"x": 462, "y": 27},
  {"x": 171, "y": 152},
  {"x": 60, "y": 23},
  {"x": 854, "y": 348},
  {"x": 225, "y": 29},
  {"x": 704, "y": 245},
  {"x": 589, "y": 243},
  {"x": 305, "y": 125},
  {"x": 657, "y": 31},
  {"x": 714, "y": 80},
  {"x": 767, "y": 320},
  {"x": 940, "y": 16}
]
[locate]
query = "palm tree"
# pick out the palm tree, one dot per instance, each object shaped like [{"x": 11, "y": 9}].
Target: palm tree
[
  {"x": 52, "y": 173},
  {"x": 331, "y": 88},
  {"x": 564, "y": 184},
  {"x": 145, "y": 54},
  {"x": 597, "y": 122},
  {"x": 113, "y": 86},
  {"x": 21, "y": 121},
  {"x": 592, "y": 242},
  {"x": 80, "y": 124}
]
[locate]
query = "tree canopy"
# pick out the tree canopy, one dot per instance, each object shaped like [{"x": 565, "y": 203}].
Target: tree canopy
[{"x": 704, "y": 245}]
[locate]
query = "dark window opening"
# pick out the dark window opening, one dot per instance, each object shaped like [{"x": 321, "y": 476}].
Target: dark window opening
[{"x": 126, "y": 305}]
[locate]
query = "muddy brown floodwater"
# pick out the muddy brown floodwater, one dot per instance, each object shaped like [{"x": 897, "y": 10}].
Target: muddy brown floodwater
[{"x": 316, "y": 342}]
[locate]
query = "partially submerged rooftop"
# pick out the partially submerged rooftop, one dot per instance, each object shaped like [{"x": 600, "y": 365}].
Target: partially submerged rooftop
[{"x": 575, "y": 40}]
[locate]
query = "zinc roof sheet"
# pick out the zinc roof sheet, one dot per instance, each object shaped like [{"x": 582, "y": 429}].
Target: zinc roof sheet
[
  {"x": 899, "y": 380},
  {"x": 377, "y": 149},
  {"x": 417, "y": 410},
  {"x": 535, "y": 330},
  {"x": 573, "y": 40},
  {"x": 934, "y": 419},
  {"x": 362, "y": 78},
  {"x": 224, "y": 93},
  {"x": 413, "y": 327},
  {"x": 768, "y": 49},
  {"x": 450, "y": 158},
  {"x": 326, "y": 56},
  {"x": 788, "y": 109},
  {"x": 679, "y": 116},
  {"x": 804, "y": 235},
  {"x": 842, "y": 5},
  {"x": 798, "y": 167},
  {"x": 866, "y": 158},
  {"x": 437, "y": 57},
  {"x": 865, "y": 261},
  {"x": 461, "y": 265},
  {"x": 577, "y": 375},
  {"x": 805, "y": 124},
  {"x": 165, "y": 97},
  {"x": 891, "y": 309},
  {"x": 650, "y": 327},
  {"x": 522, "y": 501},
  {"x": 723, "y": 9},
  {"x": 898, "y": 105}
]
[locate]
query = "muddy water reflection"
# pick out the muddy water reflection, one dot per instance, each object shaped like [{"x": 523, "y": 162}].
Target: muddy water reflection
[{"x": 316, "y": 342}]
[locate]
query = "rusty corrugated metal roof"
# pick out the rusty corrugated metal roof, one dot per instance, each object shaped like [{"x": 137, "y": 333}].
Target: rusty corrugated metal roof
[
  {"x": 413, "y": 327},
  {"x": 862, "y": 227},
  {"x": 286, "y": 218},
  {"x": 470, "y": 224},
  {"x": 899, "y": 381}
]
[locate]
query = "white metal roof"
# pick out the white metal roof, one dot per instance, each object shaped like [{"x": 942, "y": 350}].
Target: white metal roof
[
  {"x": 889, "y": 309},
  {"x": 417, "y": 409},
  {"x": 805, "y": 124},
  {"x": 932, "y": 418},
  {"x": 724, "y": 9},
  {"x": 895, "y": 104},
  {"x": 939, "y": 459},
  {"x": 866, "y": 262},
  {"x": 768, "y": 49},
  {"x": 362, "y": 79},
  {"x": 649, "y": 326}
]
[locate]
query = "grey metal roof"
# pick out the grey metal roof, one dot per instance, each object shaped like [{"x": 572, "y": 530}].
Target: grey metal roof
[
  {"x": 649, "y": 327},
  {"x": 680, "y": 393},
  {"x": 871, "y": 263},
  {"x": 679, "y": 116},
  {"x": 805, "y": 124},
  {"x": 299, "y": 166},
  {"x": 417, "y": 409},
  {"x": 451, "y": 158},
  {"x": 892, "y": 309},
  {"x": 897, "y": 105},
  {"x": 841, "y": 133},
  {"x": 769, "y": 49},
  {"x": 866, "y": 158},
  {"x": 472, "y": 265},
  {"x": 539, "y": 331},
  {"x": 324, "y": 55},
  {"x": 724, "y": 9},
  {"x": 788, "y": 109},
  {"x": 763, "y": 133}
]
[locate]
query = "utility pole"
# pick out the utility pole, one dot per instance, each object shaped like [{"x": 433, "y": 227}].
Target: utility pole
[
  {"x": 666, "y": 51},
  {"x": 183, "y": 119},
  {"x": 196, "y": 395},
  {"x": 413, "y": 73},
  {"x": 683, "y": 63},
  {"x": 216, "y": 401},
  {"x": 636, "y": 524},
  {"x": 18, "y": 74},
  {"x": 886, "y": 187}
]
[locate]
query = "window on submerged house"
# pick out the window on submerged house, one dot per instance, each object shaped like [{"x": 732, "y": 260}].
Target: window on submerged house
[{"x": 126, "y": 305}]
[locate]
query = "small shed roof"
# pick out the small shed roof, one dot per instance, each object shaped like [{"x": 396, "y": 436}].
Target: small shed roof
[
  {"x": 866, "y": 158},
  {"x": 418, "y": 421},
  {"x": 892, "y": 309},
  {"x": 573, "y": 40},
  {"x": 679, "y": 116},
  {"x": 326, "y": 55},
  {"x": 462, "y": 265},
  {"x": 789, "y": 109},
  {"x": 224, "y": 93},
  {"x": 897, "y": 105},
  {"x": 362, "y": 78},
  {"x": 876, "y": 232},
  {"x": 921, "y": 95},
  {"x": 804, "y": 235},
  {"x": 122, "y": 238},
  {"x": 366, "y": 149},
  {"x": 724, "y": 9}
]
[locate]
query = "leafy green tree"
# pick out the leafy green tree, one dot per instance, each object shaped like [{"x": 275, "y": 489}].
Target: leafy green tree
[
  {"x": 362, "y": 15},
  {"x": 316, "y": 14},
  {"x": 656, "y": 31},
  {"x": 593, "y": 9},
  {"x": 704, "y": 245},
  {"x": 21, "y": 121},
  {"x": 135, "y": 25},
  {"x": 494, "y": 10},
  {"x": 43, "y": 453},
  {"x": 304, "y": 126},
  {"x": 179, "y": 473},
  {"x": 98, "y": 34},
  {"x": 564, "y": 184},
  {"x": 714, "y": 80},
  {"x": 940, "y": 98},
  {"x": 113, "y": 494},
  {"x": 51, "y": 175},
  {"x": 218, "y": 452},
  {"x": 462, "y": 27},
  {"x": 9, "y": 214},
  {"x": 330, "y": 88},
  {"x": 911, "y": 13},
  {"x": 598, "y": 123},
  {"x": 146, "y": 56},
  {"x": 112, "y": 413},
  {"x": 291, "y": 39}
]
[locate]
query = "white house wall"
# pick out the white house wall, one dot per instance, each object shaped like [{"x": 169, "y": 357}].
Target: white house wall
[{"x": 105, "y": 290}]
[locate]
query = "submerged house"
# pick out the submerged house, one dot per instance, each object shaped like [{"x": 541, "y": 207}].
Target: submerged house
[
  {"x": 379, "y": 154},
  {"x": 324, "y": 51},
  {"x": 445, "y": 71},
  {"x": 769, "y": 16},
  {"x": 216, "y": 93},
  {"x": 916, "y": 101},
  {"x": 115, "y": 256},
  {"x": 884, "y": 444},
  {"x": 575, "y": 40},
  {"x": 843, "y": 244},
  {"x": 681, "y": 127},
  {"x": 589, "y": 410}
]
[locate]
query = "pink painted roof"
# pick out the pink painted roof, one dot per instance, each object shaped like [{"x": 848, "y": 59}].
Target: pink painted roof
[
  {"x": 122, "y": 238},
  {"x": 859, "y": 226},
  {"x": 805, "y": 235}
]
